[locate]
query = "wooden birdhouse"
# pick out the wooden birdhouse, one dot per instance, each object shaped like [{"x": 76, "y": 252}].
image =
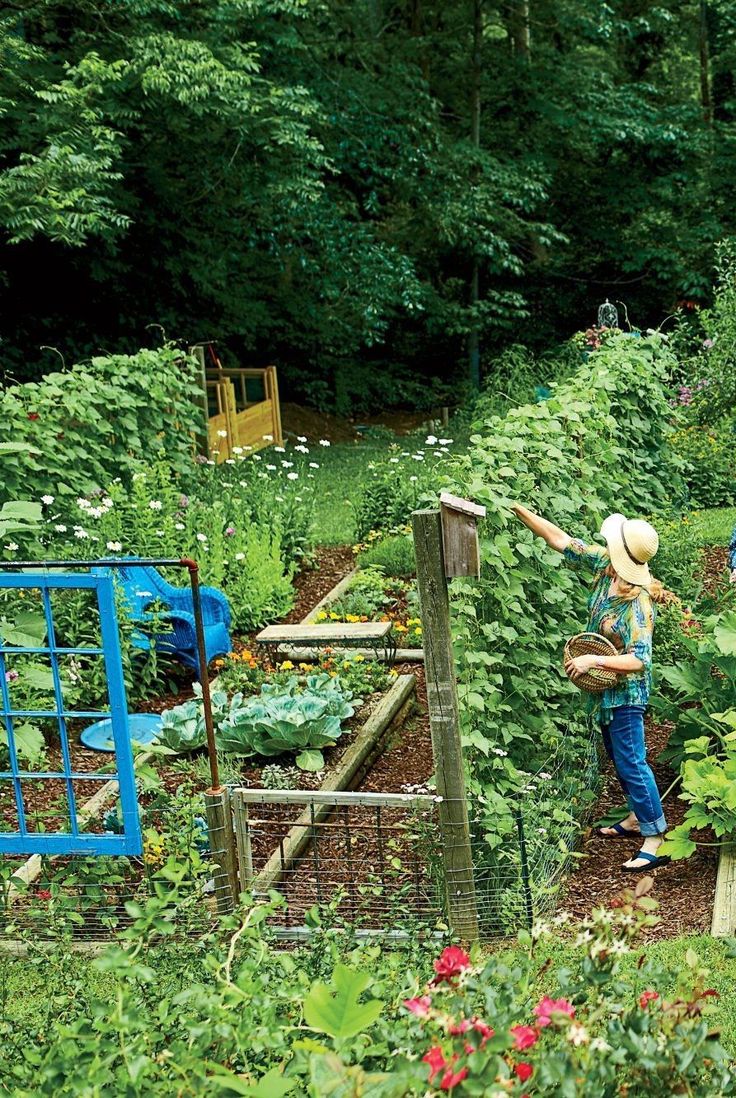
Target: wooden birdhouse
[{"x": 460, "y": 542}]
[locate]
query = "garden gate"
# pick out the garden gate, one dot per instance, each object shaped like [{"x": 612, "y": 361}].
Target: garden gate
[{"x": 33, "y": 799}]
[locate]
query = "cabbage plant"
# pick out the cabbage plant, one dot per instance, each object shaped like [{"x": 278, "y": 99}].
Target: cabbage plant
[
  {"x": 286, "y": 718},
  {"x": 183, "y": 728},
  {"x": 282, "y": 718}
]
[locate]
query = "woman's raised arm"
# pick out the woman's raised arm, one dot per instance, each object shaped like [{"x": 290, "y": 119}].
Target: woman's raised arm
[{"x": 543, "y": 528}]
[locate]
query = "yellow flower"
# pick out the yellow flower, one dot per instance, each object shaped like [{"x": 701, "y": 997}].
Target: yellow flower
[
  {"x": 287, "y": 665},
  {"x": 334, "y": 616},
  {"x": 418, "y": 631},
  {"x": 399, "y": 627},
  {"x": 322, "y": 615},
  {"x": 359, "y": 658},
  {"x": 306, "y": 667}
]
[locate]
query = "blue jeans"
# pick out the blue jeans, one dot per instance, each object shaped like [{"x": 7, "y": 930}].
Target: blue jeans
[{"x": 624, "y": 742}]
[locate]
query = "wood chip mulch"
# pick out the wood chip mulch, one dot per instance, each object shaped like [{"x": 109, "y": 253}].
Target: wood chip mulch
[
  {"x": 684, "y": 889},
  {"x": 714, "y": 565},
  {"x": 331, "y": 563}
]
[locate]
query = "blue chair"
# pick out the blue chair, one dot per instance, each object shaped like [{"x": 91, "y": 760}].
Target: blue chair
[{"x": 143, "y": 585}]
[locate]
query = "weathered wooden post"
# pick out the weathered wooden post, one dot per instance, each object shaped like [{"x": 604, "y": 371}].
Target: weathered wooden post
[
  {"x": 222, "y": 847},
  {"x": 203, "y": 435},
  {"x": 445, "y": 545}
]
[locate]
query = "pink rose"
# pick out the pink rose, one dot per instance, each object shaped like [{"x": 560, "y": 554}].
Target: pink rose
[{"x": 546, "y": 1007}]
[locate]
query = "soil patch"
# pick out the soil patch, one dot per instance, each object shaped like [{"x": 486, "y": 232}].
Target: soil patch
[
  {"x": 331, "y": 564},
  {"x": 298, "y": 420},
  {"x": 684, "y": 890}
]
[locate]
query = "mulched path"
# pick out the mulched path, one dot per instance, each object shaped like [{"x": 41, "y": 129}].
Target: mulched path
[
  {"x": 715, "y": 570},
  {"x": 684, "y": 890},
  {"x": 331, "y": 563}
]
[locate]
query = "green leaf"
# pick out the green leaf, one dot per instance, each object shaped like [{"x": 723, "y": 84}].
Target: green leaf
[
  {"x": 27, "y": 631},
  {"x": 273, "y": 1085},
  {"x": 310, "y": 760},
  {"x": 335, "y": 1009},
  {"x": 725, "y": 634}
]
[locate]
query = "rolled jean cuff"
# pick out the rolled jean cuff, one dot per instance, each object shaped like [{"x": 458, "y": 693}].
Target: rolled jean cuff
[{"x": 658, "y": 827}]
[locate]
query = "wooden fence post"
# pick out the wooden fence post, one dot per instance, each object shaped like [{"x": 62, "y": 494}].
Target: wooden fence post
[
  {"x": 445, "y": 724},
  {"x": 203, "y": 435},
  {"x": 222, "y": 848}
]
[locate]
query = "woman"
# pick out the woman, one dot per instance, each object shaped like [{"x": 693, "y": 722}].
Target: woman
[
  {"x": 732, "y": 556},
  {"x": 620, "y": 608}
]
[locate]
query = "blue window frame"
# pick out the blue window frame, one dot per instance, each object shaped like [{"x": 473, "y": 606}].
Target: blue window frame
[{"x": 15, "y": 783}]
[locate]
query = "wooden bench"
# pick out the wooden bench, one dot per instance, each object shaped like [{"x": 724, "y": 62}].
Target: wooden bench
[{"x": 378, "y": 635}]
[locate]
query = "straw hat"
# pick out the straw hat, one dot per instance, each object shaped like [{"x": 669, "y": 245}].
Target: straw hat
[{"x": 631, "y": 545}]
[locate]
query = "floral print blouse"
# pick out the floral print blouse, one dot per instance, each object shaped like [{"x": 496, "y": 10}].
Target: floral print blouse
[
  {"x": 628, "y": 624},
  {"x": 732, "y": 550}
]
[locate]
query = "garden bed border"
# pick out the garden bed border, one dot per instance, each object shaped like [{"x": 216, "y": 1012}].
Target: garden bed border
[{"x": 723, "y": 924}]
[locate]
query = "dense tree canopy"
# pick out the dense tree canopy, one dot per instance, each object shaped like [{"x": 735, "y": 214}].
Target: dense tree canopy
[{"x": 364, "y": 192}]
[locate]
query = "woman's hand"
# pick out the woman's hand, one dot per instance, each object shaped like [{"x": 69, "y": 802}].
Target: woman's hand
[{"x": 579, "y": 665}]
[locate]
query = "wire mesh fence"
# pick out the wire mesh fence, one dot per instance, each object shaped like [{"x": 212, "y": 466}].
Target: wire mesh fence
[{"x": 379, "y": 863}]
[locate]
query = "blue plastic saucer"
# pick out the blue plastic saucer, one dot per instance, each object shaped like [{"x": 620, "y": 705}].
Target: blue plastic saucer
[{"x": 143, "y": 728}]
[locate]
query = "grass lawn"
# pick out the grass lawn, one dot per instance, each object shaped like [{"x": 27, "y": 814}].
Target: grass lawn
[
  {"x": 716, "y": 954},
  {"x": 338, "y": 482},
  {"x": 31, "y": 995},
  {"x": 714, "y": 525}
]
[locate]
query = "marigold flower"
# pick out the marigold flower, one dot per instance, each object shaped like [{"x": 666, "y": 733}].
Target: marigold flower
[{"x": 287, "y": 665}]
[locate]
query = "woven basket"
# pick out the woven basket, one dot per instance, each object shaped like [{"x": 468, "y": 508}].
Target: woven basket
[{"x": 597, "y": 679}]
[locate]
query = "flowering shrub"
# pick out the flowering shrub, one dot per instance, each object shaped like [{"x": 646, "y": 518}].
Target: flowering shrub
[
  {"x": 595, "y": 1038},
  {"x": 378, "y": 1021},
  {"x": 154, "y": 517},
  {"x": 709, "y": 466},
  {"x": 393, "y": 488}
]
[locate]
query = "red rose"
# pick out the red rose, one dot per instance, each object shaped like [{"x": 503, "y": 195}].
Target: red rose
[
  {"x": 524, "y": 1037},
  {"x": 523, "y": 1071},
  {"x": 436, "y": 1060},
  {"x": 648, "y": 997},
  {"x": 451, "y": 1078},
  {"x": 33, "y": 415},
  {"x": 451, "y": 962}
]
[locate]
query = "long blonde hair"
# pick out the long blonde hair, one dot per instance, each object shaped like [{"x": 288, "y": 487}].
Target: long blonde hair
[{"x": 630, "y": 591}]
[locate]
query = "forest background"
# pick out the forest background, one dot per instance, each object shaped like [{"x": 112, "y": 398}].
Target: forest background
[{"x": 374, "y": 196}]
